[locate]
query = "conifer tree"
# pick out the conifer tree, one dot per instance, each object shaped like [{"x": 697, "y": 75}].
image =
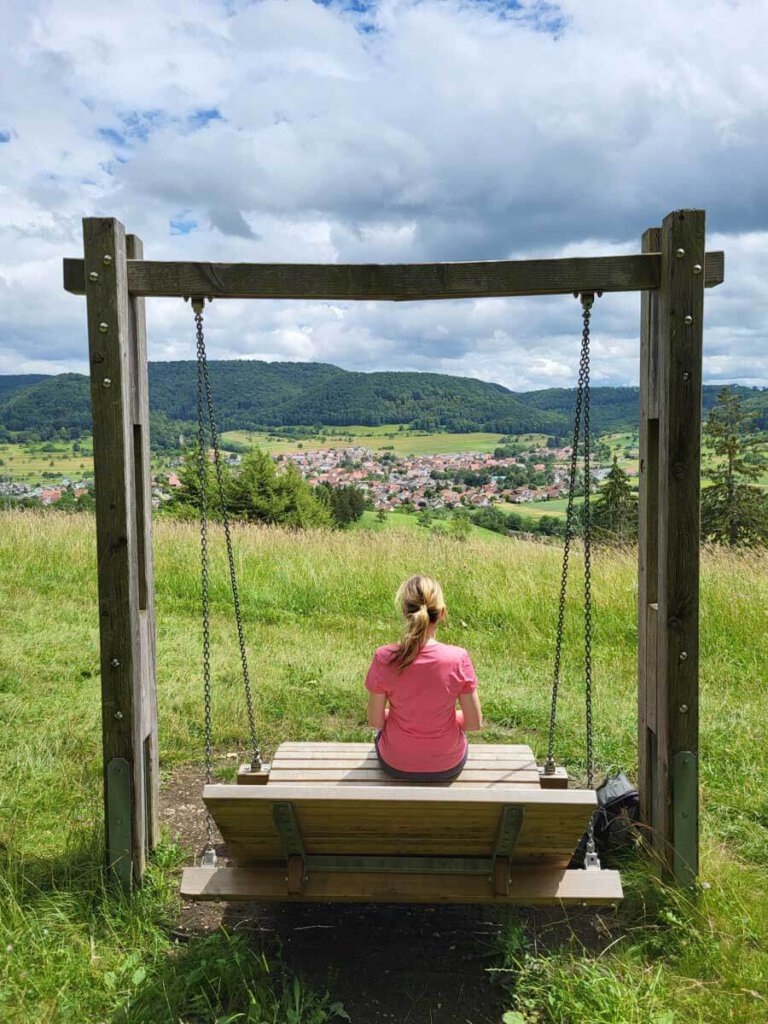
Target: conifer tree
[
  {"x": 733, "y": 510},
  {"x": 260, "y": 494},
  {"x": 614, "y": 513},
  {"x": 185, "y": 500}
]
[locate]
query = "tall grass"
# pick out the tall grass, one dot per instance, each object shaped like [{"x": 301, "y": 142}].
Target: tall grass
[{"x": 315, "y": 605}]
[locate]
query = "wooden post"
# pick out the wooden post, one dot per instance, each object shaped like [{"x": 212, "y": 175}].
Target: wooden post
[
  {"x": 118, "y": 368},
  {"x": 671, "y": 380},
  {"x": 647, "y": 605}
]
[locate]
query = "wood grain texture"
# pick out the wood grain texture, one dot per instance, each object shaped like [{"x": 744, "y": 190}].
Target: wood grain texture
[
  {"x": 344, "y": 820},
  {"x": 681, "y": 296},
  {"x": 113, "y": 349},
  {"x": 400, "y": 282},
  {"x": 526, "y": 886},
  {"x": 147, "y": 719},
  {"x": 647, "y": 532}
]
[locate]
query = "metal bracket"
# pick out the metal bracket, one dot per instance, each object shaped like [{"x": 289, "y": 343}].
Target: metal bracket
[
  {"x": 591, "y": 859},
  {"x": 685, "y": 805},
  {"x": 209, "y": 858},
  {"x": 119, "y": 833}
]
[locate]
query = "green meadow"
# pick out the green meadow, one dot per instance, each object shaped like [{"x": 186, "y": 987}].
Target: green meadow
[
  {"x": 386, "y": 437},
  {"x": 46, "y": 462},
  {"x": 315, "y": 605}
]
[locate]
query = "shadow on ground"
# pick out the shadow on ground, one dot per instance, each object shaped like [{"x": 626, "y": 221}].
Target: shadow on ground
[{"x": 384, "y": 963}]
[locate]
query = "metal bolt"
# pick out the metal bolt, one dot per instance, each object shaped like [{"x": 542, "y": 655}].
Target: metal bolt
[
  {"x": 683, "y": 655},
  {"x": 685, "y": 814},
  {"x": 118, "y": 821},
  {"x": 688, "y": 320},
  {"x": 679, "y": 253},
  {"x": 103, "y": 327},
  {"x": 115, "y": 663},
  {"x": 107, "y": 382},
  {"x": 697, "y": 268},
  {"x": 118, "y": 715},
  {"x": 107, "y": 260},
  {"x": 683, "y": 709},
  {"x": 686, "y": 375},
  {"x": 93, "y": 276}
]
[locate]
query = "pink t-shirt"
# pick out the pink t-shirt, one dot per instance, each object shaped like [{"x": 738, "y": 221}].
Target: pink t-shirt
[{"x": 421, "y": 733}]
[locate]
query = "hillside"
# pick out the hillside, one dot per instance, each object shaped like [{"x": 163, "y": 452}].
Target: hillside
[
  {"x": 13, "y": 381},
  {"x": 252, "y": 394}
]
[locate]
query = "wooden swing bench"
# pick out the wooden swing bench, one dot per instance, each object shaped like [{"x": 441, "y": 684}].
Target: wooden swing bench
[{"x": 330, "y": 826}]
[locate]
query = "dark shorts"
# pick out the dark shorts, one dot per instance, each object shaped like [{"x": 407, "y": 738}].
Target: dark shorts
[{"x": 395, "y": 773}]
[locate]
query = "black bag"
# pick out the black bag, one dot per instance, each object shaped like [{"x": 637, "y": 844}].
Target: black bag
[{"x": 618, "y": 810}]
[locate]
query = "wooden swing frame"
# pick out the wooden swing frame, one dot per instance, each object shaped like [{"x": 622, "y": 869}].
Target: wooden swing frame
[{"x": 671, "y": 273}]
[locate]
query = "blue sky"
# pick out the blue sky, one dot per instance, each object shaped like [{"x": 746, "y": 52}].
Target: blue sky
[{"x": 384, "y": 130}]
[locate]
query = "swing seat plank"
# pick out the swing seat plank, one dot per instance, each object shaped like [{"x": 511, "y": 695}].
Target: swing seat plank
[
  {"x": 410, "y": 843},
  {"x": 350, "y": 764},
  {"x": 526, "y": 886}
]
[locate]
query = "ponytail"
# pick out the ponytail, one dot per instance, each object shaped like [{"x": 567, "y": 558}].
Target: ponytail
[{"x": 421, "y": 601}]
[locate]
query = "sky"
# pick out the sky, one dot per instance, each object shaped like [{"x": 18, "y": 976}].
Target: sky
[{"x": 384, "y": 131}]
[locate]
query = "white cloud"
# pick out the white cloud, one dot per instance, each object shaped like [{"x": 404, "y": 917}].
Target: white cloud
[{"x": 287, "y": 130}]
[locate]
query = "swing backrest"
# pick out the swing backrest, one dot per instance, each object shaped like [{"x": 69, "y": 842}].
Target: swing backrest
[{"x": 399, "y": 820}]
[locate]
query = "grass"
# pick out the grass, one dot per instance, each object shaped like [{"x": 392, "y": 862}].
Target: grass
[
  {"x": 410, "y": 523},
  {"x": 315, "y": 606}
]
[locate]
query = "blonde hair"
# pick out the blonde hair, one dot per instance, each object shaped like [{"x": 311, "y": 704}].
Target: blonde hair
[{"x": 421, "y": 601}]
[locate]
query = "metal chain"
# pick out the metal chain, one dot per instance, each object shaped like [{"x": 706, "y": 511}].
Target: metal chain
[
  {"x": 209, "y": 854},
  {"x": 549, "y": 764},
  {"x": 203, "y": 371},
  {"x": 582, "y": 406},
  {"x": 586, "y": 304}
]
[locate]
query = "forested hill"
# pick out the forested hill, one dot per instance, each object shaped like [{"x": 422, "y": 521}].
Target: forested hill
[{"x": 250, "y": 394}]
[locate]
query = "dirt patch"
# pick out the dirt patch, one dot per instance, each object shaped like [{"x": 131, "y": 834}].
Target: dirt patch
[{"x": 387, "y": 964}]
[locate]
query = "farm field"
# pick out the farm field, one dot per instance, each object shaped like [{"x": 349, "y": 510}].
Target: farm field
[
  {"x": 410, "y": 523},
  {"x": 315, "y": 606},
  {"x": 30, "y": 463},
  {"x": 376, "y": 438},
  {"x": 537, "y": 509}
]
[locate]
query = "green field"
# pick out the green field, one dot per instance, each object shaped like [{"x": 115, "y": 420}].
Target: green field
[
  {"x": 410, "y": 523},
  {"x": 29, "y": 463},
  {"x": 387, "y": 437},
  {"x": 537, "y": 509},
  {"x": 315, "y": 606}
]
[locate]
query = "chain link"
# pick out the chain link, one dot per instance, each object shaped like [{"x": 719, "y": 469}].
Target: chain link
[
  {"x": 582, "y": 411},
  {"x": 202, "y": 480},
  {"x": 205, "y": 405}
]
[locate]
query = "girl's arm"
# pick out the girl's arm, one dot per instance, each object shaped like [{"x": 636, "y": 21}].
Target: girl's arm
[
  {"x": 470, "y": 712},
  {"x": 376, "y": 710}
]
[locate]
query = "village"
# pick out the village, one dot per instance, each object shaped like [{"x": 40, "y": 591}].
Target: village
[
  {"x": 472, "y": 479},
  {"x": 389, "y": 481}
]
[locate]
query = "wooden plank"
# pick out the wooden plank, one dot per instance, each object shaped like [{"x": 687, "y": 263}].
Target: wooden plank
[
  {"x": 371, "y": 763},
  {"x": 340, "y": 822},
  {"x": 393, "y": 281},
  {"x": 647, "y": 528},
  {"x": 126, "y": 656},
  {"x": 514, "y": 776},
  {"x": 324, "y": 749},
  {"x": 526, "y": 886},
  {"x": 142, "y": 478},
  {"x": 414, "y": 794},
  {"x": 681, "y": 310}
]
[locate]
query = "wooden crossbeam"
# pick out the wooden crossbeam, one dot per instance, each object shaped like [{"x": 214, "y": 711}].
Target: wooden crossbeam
[{"x": 395, "y": 282}]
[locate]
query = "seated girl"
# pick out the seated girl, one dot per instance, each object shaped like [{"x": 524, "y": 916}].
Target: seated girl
[{"x": 413, "y": 687}]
